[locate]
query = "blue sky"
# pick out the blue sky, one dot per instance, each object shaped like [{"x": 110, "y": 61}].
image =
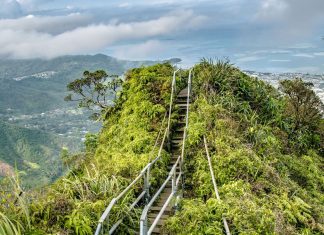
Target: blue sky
[{"x": 262, "y": 35}]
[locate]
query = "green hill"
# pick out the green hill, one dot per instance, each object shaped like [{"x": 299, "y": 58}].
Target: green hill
[
  {"x": 32, "y": 95},
  {"x": 36, "y": 85},
  {"x": 34, "y": 153},
  {"x": 267, "y": 159}
]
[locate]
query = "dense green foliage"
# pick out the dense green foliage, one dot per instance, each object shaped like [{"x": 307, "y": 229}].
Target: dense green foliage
[
  {"x": 304, "y": 111},
  {"x": 74, "y": 203},
  {"x": 266, "y": 184},
  {"x": 34, "y": 153},
  {"x": 94, "y": 91},
  {"x": 31, "y": 95}
]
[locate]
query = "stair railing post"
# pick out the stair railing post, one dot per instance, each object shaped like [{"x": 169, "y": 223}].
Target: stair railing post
[
  {"x": 174, "y": 180},
  {"x": 147, "y": 184},
  {"x": 143, "y": 226}
]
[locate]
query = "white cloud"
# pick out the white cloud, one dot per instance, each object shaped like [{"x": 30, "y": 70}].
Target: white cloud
[
  {"x": 124, "y": 5},
  {"x": 248, "y": 59},
  {"x": 31, "y": 5},
  {"x": 305, "y": 55},
  {"x": 319, "y": 53},
  {"x": 302, "y": 46},
  {"x": 290, "y": 10},
  {"x": 46, "y": 24},
  {"x": 280, "y": 60},
  {"x": 20, "y": 43},
  {"x": 9, "y": 9},
  {"x": 271, "y": 9},
  {"x": 141, "y": 51},
  {"x": 290, "y": 19}
]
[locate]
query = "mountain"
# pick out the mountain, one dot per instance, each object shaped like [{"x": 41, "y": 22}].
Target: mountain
[
  {"x": 267, "y": 163},
  {"x": 34, "y": 153},
  {"x": 35, "y": 116},
  {"x": 35, "y": 85}
]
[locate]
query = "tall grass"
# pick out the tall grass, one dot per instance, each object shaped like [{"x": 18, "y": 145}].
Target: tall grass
[{"x": 8, "y": 227}]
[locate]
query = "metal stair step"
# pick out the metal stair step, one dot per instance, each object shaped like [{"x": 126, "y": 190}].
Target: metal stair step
[
  {"x": 156, "y": 230},
  {"x": 183, "y": 92},
  {"x": 161, "y": 221},
  {"x": 170, "y": 167},
  {"x": 180, "y": 129},
  {"x": 176, "y": 141},
  {"x": 183, "y": 116},
  {"x": 173, "y": 161},
  {"x": 176, "y": 146},
  {"x": 154, "y": 215},
  {"x": 181, "y": 101},
  {"x": 182, "y": 106},
  {"x": 158, "y": 209},
  {"x": 177, "y": 137}
]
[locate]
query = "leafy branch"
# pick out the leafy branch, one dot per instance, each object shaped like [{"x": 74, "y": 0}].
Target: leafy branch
[{"x": 95, "y": 90}]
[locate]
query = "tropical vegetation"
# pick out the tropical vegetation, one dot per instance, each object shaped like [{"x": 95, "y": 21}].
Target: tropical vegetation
[{"x": 267, "y": 159}]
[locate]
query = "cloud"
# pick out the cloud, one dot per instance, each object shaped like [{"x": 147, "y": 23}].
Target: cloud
[
  {"x": 290, "y": 19},
  {"x": 271, "y": 9},
  {"x": 291, "y": 11},
  {"x": 302, "y": 46},
  {"x": 31, "y": 5},
  {"x": 10, "y": 9},
  {"x": 248, "y": 59},
  {"x": 305, "y": 55},
  {"x": 47, "y": 24},
  {"x": 26, "y": 43},
  {"x": 319, "y": 53},
  {"x": 279, "y": 60},
  {"x": 141, "y": 51}
]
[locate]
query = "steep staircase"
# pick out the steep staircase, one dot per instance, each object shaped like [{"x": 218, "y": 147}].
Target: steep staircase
[
  {"x": 158, "y": 207},
  {"x": 176, "y": 144}
]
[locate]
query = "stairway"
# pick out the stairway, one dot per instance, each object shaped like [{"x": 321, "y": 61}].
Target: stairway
[{"x": 176, "y": 143}]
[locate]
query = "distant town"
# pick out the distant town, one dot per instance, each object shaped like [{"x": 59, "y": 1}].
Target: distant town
[{"x": 274, "y": 78}]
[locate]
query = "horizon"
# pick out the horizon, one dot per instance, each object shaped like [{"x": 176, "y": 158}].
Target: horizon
[
  {"x": 275, "y": 36},
  {"x": 182, "y": 66}
]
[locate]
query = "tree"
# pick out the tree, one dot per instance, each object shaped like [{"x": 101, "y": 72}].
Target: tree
[
  {"x": 304, "y": 109},
  {"x": 303, "y": 105},
  {"x": 95, "y": 90}
]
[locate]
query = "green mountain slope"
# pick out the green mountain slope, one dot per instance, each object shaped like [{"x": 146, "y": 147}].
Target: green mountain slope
[
  {"x": 29, "y": 86},
  {"x": 269, "y": 175},
  {"x": 269, "y": 172},
  {"x": 34, "y": 153},
  {"x": 32, "y": 95}
]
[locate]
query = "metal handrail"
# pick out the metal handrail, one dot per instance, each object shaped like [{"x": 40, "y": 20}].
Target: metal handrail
[
  {"x": 158, "y": 136},
  {"x": 215, "y": 185},
  {"x": 145, "y": 173},
  {"x": 172, "y": 174},
  {"x": 175, "y": 183},
  {"x": 187, "y": 117}
]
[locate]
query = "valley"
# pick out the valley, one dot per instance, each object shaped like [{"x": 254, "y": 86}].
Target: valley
[
  {"x": 36, "y": 122},
  {"x": 31, "y": 100}
]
